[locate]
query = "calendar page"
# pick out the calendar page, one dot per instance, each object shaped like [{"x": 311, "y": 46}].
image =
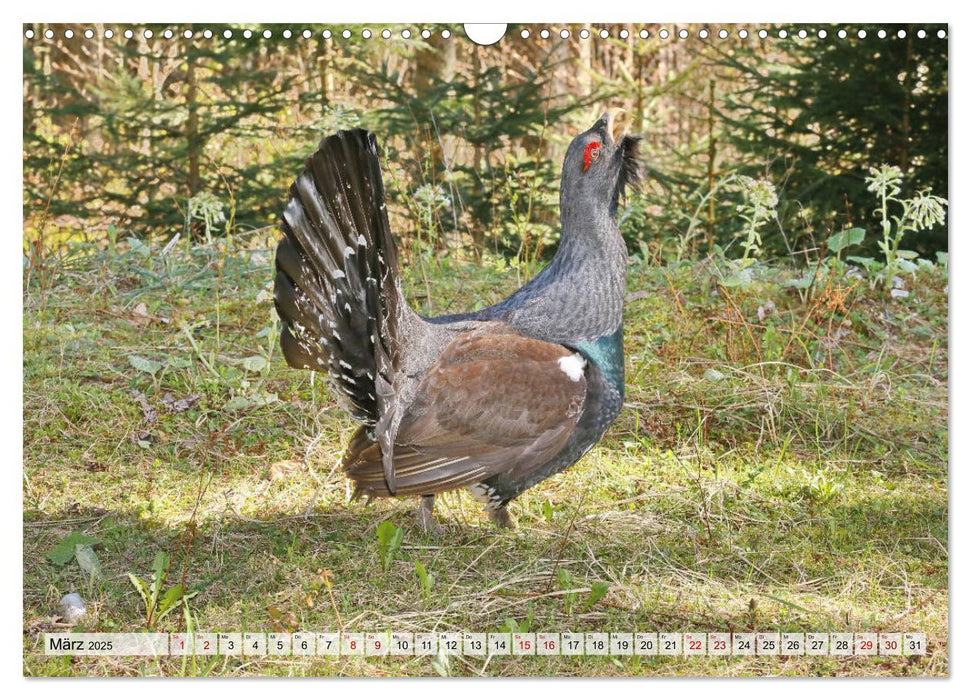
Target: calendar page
[{"x": 485, "y": 350}]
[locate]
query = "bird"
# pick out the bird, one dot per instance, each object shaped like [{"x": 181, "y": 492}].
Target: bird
[{"x": 493, "y": 401}]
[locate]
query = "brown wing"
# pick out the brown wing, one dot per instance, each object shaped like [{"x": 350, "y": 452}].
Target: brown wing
[{"x": 493, "y": 401}]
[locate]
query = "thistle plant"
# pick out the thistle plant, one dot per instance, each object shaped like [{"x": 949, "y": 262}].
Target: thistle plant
[
  {"x": 207, "y": 208},
  {"x": 918, "y": 213},
  {"x": 429, "y": 200},
  {"x": 757, "y": 209}
]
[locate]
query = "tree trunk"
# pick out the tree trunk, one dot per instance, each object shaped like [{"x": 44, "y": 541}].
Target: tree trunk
[
  {"x": 711, "y": 163},
  {"x": 193, "y": 141},
  {"x": 323, "y": 55}
]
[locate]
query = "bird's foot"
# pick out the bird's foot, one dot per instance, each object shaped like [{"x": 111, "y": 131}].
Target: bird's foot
[
  {"x": 500, "y": 516},
  {"x": 425, "y": 518}
]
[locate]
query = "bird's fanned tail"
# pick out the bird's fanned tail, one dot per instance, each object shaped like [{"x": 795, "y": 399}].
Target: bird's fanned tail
[{"x": 337, "y": 290}]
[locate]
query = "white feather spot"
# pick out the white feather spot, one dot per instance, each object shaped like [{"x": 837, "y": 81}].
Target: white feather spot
[
  {"x": 345, "y": 365},
  {"x": 572, "y": 366},
  {"x": 337, "y": 274}
]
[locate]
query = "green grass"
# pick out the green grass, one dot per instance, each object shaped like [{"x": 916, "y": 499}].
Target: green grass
[{"x": 788, "y": 473}]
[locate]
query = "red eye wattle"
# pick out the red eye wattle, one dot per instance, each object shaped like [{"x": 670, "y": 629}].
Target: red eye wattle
[{"x": 591, "y": 154}]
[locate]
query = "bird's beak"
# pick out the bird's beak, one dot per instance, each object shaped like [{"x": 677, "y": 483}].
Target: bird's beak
[{"x": 617, "y": 124}]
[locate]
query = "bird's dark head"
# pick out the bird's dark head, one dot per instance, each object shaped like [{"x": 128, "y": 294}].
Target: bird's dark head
[{"x": 600, "y": 164}]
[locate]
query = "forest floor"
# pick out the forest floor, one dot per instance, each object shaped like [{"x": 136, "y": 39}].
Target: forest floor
[{"x": 780, "y": 465}]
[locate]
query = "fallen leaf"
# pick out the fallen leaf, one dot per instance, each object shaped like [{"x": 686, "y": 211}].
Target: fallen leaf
[
  {"x": 283, "y": 468},
  {"x": 92, "y": 465},
  {"x": 282, "y": 621},
  {"x": 150, "y": 414},
  {"x": 182, "y": 405},
  {"x": 140, "y": 315}
]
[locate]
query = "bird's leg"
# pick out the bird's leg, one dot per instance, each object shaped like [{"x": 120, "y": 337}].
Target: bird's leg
[
  {"x": 425, "y": 518},
  {"x": 500, "y": 516}
]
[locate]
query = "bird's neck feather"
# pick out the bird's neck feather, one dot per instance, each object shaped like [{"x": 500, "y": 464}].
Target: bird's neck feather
[{"x": 590, "y": 235}]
